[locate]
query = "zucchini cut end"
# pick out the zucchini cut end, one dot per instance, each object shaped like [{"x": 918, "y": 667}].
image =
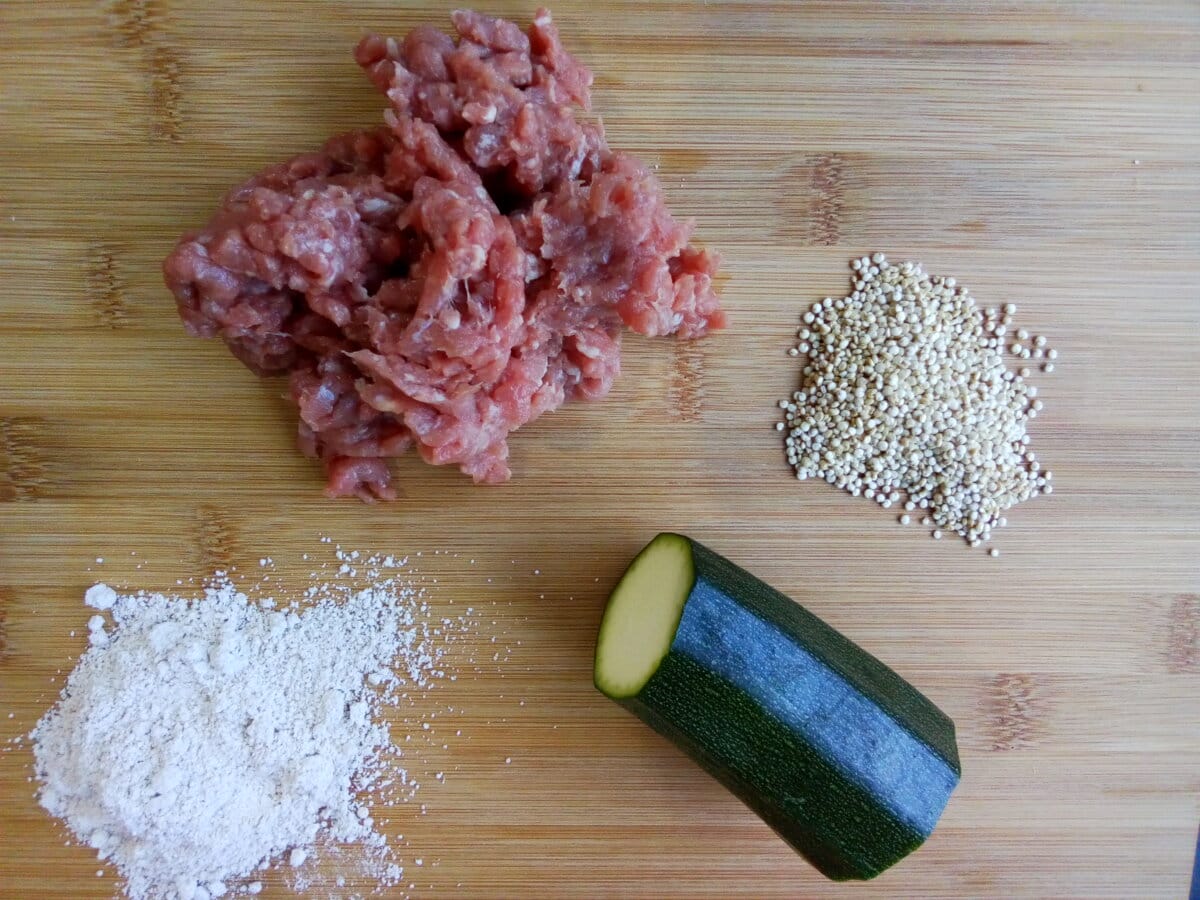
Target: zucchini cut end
[{"x": 642, "y": 616}]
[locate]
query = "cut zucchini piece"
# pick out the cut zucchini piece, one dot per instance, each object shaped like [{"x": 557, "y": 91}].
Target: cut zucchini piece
[{"x": 849, "y": 763}]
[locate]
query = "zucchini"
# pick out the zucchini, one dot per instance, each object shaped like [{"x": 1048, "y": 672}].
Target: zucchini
[{"x": 848, "y": 762}]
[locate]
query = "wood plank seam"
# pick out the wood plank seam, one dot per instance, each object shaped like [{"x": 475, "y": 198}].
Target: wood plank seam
[
  {"x": 1014, "y": 706},
  {"x": 106, "y": 288},
  {"x": 685, "y": 396},
  {"x": 1183, "y": 635},
  {"x": 812, "y": 200},
  {"x": 23, "y": 470},
  {"x": 139, "y": 25}
]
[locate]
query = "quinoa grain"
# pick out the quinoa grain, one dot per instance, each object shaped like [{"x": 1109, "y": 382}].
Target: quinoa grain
[{"x": 906, "y": 398}]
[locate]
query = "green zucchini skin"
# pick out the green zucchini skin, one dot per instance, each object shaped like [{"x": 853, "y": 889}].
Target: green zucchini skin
[{"x": 845, "y": 760}]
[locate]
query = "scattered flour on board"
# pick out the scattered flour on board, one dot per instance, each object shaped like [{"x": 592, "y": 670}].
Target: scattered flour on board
[{"x": 201, "y": 740}]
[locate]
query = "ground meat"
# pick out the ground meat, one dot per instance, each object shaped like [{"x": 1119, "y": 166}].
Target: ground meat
[{"x": 445, "y": 279}]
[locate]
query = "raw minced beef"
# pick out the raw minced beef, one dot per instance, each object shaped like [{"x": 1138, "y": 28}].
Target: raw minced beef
[{"x": 441, "y": 281}]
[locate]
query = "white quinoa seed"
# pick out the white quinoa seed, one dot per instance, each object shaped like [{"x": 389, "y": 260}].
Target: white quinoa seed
[{"x": 906, "y": 392}]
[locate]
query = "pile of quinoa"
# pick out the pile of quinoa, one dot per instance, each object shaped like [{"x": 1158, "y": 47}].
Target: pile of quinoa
[{"x": 906, "y": 399}]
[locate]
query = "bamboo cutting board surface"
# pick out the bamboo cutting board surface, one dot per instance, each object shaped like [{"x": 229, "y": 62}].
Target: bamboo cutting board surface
[{"x": 1044, "y": 154}]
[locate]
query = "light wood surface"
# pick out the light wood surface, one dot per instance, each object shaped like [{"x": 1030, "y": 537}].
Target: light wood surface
[{"x": 1044, "y": 154}]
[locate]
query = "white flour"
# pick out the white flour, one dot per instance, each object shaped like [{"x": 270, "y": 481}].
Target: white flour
[{"x": 201, "y": 740}]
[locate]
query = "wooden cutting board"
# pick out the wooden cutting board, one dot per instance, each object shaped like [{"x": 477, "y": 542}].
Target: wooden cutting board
[{"x": 1045, "y": 154}]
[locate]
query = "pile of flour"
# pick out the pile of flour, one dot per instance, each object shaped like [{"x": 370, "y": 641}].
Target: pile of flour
[{"x": 198, "y": 741}]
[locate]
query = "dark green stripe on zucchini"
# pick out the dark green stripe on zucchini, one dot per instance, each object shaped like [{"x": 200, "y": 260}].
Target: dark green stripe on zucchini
[
  {"x": 843, "y": 758},
  {"x": 912, "y": 709}
]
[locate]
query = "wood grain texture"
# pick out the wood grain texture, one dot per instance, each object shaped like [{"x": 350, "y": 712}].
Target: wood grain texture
[{"x": 1044, "y": 154}]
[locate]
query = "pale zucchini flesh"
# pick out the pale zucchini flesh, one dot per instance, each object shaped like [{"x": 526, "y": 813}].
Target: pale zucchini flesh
[{"x": 642, "y": 616}]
